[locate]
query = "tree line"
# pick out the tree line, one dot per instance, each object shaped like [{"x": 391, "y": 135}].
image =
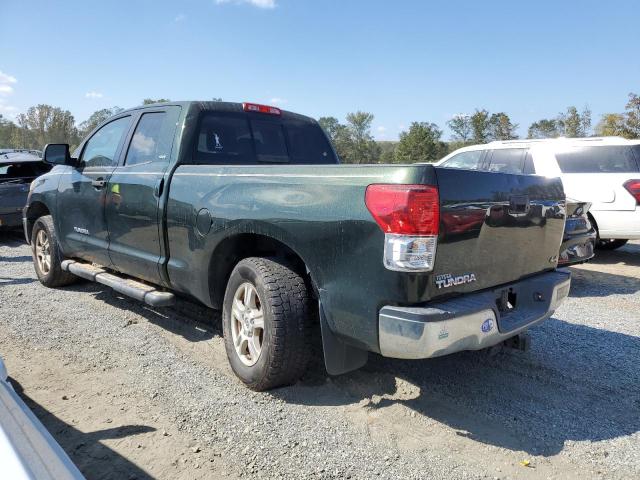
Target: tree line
[{"x": 353, "y": 140}]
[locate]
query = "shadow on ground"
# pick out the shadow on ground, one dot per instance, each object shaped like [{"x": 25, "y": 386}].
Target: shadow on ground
[
  {"x": 589, "y": 283},
  {"x": 94, "y": 459},
  {"x": 194, "y": 322},
  {"x": 628, "y": 255},
  {"x": 532, "y": 402}
]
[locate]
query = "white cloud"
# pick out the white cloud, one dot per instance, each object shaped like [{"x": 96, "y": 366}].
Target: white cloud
[
  {"x": 6, "y": 82},
  {"x": 181, "y": 17},
  {"x": 381, "y": 129},
  {"x": 93, "y": 94},
  {"x": 255, "y": 3},
  {"x": 7, "y": 110},
  {"x": 278, "y": 101}
]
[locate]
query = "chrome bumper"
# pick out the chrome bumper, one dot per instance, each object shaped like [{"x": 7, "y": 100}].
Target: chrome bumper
[{"x": 470, "y": 322}]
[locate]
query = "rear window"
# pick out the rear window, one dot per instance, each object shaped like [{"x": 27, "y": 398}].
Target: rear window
[
  {"x": 605, "y": 159},
  {"x": 240, "y": 139},
  {"x": 507, "y": 160}
]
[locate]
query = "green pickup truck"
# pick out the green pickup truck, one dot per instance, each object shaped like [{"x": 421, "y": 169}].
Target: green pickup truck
[{"x": 245, "y": 208}]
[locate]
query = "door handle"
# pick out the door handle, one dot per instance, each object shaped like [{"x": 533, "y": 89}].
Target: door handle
[
  {"x": 98, "y": 183},
  {"x": 157, "y": 191}
]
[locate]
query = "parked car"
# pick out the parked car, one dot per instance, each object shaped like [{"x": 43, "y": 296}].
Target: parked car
[
  {"x": 27, "y": 449},
  {"x": 245, "y": 208},
  {"x": 18, "y": 168},
  {"x": 604, "y": 171}
]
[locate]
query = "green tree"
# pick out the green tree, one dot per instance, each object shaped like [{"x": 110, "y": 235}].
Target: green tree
[
  {"x": 574, "y": 124},
  {"x": 149, "y": 101},
  {"x": 353, "y": 141},
  {"x": 480, "y": 126},
  {"x": 545, "y": 128},
  {"x": 96, "y": 119},
  {"x": 632, "y": 117},
  {"x": 611, "y": 124},
  {"x": 460, "y": 125},
  {"x": 387, "y": 151},
  {"x": 501, "y": 127},
  {"x": 44, "y": 124},
  {"x": 7, "y": 132},
  {"x": 421, "y": 143},
  {"x": 331, "y": 126}
]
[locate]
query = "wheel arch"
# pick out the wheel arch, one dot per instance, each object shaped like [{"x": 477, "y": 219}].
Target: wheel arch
[
  {"x": 239, "y": 246},
  {"x": 35, "y": 210}
]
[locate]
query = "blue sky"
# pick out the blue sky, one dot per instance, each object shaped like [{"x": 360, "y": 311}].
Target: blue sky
[{"x": 403, "y": 60}]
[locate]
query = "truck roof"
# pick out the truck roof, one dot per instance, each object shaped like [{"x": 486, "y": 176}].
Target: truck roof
[{"x": 196, "y": 106}]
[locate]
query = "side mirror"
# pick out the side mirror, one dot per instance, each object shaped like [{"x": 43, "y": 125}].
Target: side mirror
[{"x": 58, "y": 154}]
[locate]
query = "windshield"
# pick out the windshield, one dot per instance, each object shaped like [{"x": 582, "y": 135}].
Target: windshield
[
  {"x": 604, "y": 159},
  {"x": 239, "y": 139}
]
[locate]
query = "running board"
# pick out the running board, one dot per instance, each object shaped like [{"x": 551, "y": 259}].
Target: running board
[{"x": 132, "y": 288}]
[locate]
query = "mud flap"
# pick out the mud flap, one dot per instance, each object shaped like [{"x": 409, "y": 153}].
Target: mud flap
[{"x": 339, "y": 357}]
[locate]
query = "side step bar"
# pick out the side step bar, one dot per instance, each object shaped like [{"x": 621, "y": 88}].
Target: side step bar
[{"x": 138, "y": 290}]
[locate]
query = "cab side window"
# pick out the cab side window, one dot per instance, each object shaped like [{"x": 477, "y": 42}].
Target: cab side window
[
  {"x": 100, "y": 150},
  {"x": 467, "y": 160},
  {"x": 148, "y": 144}
]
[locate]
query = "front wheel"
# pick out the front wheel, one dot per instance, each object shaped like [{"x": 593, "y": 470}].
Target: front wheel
[
  {"x": 265, "y": 321},
  {"x": 47, "y": 257}
]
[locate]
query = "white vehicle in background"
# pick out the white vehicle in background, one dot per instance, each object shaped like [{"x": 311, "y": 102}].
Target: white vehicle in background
[
  {"x": 27, "y": 449},
  {"x": 604, "y": 171}
]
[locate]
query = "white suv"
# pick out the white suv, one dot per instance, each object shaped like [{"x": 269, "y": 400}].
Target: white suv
[{"x": 604, "y": 171}]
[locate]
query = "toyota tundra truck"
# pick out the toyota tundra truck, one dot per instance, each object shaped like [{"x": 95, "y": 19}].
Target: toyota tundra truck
[{"x": 247, "y": 209}]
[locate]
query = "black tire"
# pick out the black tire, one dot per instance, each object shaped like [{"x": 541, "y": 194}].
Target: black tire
[
  {"x": 285, "y": 338},
  {"x": 54, "y": 276},
  {"x": 610, "y": 244}
]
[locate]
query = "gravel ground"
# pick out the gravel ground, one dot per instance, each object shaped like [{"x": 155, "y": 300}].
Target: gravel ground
[{"x": 135, "y": 392}]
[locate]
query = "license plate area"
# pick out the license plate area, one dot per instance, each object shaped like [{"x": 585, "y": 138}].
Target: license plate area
[{"x": 520, "y": 304}]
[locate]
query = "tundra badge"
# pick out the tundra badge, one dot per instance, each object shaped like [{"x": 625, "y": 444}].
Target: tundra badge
[{"x": 447, "y": 280}]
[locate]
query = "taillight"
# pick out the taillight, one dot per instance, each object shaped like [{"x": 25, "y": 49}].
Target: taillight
[
  {"x": 254, "y": 107},
  {"x": 633, "y": 186},
  {"x": 409, "y": 215}
]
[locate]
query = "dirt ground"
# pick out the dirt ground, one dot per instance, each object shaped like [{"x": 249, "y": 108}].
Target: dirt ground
[{"x": 134, "y": 392}]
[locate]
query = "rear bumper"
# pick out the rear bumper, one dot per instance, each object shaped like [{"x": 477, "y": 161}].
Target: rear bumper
[
  {"x": 618, "y": 224},
  {"x": 577, "y": 248},
  {"x": 470, "y": 322}
]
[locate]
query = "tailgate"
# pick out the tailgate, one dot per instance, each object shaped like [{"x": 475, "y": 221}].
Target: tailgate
[{"x": 495, "y": 228}]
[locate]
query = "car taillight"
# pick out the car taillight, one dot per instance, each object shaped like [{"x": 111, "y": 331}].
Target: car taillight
[
  {"x": 254, "y": 107},
  {"x": 409, "y": 215},
  {"x": 633, "y": 186}
]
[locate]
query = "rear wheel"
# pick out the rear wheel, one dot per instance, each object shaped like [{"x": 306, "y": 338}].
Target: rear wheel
[
  {"x": 265, "y": 321},
  {"x": 47, "y": 257},
  {"x": 610, "y": 244}
]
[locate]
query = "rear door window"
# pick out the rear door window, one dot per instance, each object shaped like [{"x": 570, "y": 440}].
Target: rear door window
[
  {"x": 507, "y": 160},
  {"x": 467, "y": 160},
  {"x": 241, "y": 139},
  {"x": 148, "y": 145},
  {"x": 604, "y": 159}
]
